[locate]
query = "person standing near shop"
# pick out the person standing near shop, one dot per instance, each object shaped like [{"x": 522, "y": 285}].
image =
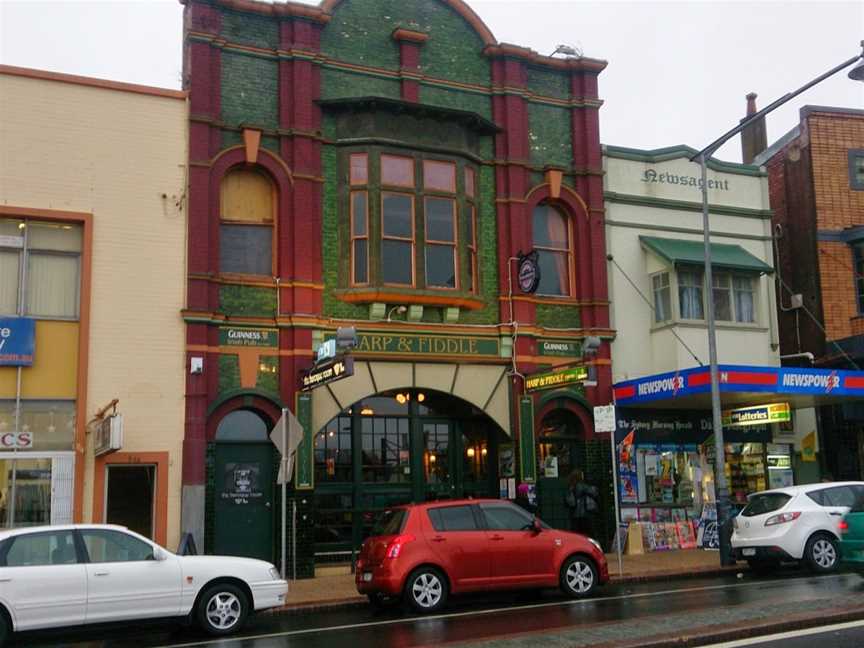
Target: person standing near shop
[{"x": 581, "y": 500}]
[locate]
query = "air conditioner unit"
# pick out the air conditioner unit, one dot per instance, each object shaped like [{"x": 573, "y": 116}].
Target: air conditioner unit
[{"x": 109, "y": 435}]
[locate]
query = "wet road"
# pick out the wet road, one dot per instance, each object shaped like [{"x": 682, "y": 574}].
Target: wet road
[
  {"x": 843, "y": 635},
  {"x": 472, "y": 619}
]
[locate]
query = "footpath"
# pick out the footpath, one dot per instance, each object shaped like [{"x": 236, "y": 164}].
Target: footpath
[{"x": 333, "y": 587}]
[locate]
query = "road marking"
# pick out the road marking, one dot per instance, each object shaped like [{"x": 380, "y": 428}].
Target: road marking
[
  {"x": 788, "y": 635},
  {"x": 226, "y": 641}
]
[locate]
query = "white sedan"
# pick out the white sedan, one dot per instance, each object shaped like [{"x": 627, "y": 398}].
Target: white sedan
[
  {"x": 794, "y": 523},
  {"x": 55, "y": 576}
]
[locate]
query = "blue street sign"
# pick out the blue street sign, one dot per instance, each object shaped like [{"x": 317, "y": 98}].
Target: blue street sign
[{"x": 17, "y": 341}]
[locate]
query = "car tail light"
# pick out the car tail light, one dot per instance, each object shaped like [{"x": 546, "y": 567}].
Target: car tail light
[
  {"x": 782, "y": 518},
  {"x": 843, "y": 526},
  {"x": 396, "y": 544}
]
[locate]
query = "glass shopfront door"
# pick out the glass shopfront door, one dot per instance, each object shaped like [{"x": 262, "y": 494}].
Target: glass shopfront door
[{"x": 35, "y": 490}]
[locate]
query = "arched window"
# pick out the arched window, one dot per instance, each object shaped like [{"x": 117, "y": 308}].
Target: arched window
[
  {"x": 552, "y": 240},
  {"x": 242, "y": 426},
  {"x": 246, "y": 223}
]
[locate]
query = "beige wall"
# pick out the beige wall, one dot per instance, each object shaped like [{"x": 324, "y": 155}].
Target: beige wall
[
  {"x": 640, "y": 347},
  {"x": 119, "y": 155}
]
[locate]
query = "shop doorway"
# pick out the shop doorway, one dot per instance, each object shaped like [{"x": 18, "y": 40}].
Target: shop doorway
[
  {"x": 130, "y": 497},
  {"x": 400, "y": 446},
  {"x": 243, "y": 487},
  {"x": 560, "y": 452}
]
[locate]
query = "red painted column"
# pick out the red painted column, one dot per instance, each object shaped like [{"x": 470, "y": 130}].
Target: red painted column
[
  {"x": 410, "y": 43},
  {"x": 300, "y": 245},
  {"x": 588, "y": 158}
]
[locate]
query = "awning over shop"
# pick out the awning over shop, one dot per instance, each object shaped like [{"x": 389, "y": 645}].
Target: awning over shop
[
  {"x": 742, "y": 385},
  {"x": 683, "y": 252}
]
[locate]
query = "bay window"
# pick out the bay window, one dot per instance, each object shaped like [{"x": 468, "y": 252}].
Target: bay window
[
  {"x": 734, "y": 296},
  {"x": 690, "y": 284},
  {"x": 413, "y": 222},
  {"x": 662, "y": 297}
]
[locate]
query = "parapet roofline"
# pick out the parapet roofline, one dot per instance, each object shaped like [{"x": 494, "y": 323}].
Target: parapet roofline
[{"x": 104, "y": 84}]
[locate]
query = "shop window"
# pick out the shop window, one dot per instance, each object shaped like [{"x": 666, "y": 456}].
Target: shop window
[
  {"x": 25, "y": 492},
  {"x": 858, "y": 255},
  {"x": 246, "y": 225},
  {"x": 40, "y": 268},
  {"x": 552, "y": 241},
  {"x": 476, "y": 455},
  {"x": 408, "y": 216},
  {"x": 385, "y": 449},
  {"x": 690, "y": 284},
  {"x": 856, "y": 169},
  {"x": 436, "y": 458},
  {"x": 662, "y": 297},
  {"x": 333, "y": 453},
  {"x": 49, "y": 425}
]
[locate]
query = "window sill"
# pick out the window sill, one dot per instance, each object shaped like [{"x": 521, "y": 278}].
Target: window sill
[
  {"x": 408, "y": 296},
  {"x": 702, "y": 324}
]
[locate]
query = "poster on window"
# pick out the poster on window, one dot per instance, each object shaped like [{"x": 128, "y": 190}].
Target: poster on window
[
  {"x": 242, "y": 483},
  {"x": 550, "y": 466}
]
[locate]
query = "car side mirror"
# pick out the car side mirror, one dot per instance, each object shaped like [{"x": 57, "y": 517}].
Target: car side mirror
[
  {"x": 159, "y": 555},
  {"x": 536, "y": 527}
]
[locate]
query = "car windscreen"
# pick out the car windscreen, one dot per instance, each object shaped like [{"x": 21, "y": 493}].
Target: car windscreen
[
  {"x": 765, "y": 503},
  {"x": 390, "y": 522}
]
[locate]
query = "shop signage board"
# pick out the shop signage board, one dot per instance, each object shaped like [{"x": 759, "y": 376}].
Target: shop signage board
[
  {"x": 248, "y": 337},
  {"x": 741, "y": 379},
  {"x": 109, "y": 435},
  {"x": 679, "y": 429},
  {"x": 305, "y": 462},
  {"x": 328, "y": 372},
  {"x": 557, "y": 378},
  {"x": 17, "y": 341},
  {"x": 16, "y": 440},
  {"x": 559, "y": 348},
  {"x": 604, "y": 418},
  {"x": 758, "y": 415},
  {"x": 425, "y": 345}
]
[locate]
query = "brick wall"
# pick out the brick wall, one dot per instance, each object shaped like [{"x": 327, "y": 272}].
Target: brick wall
[
  {"x": 836, "y": 273},
  {"x": 832, "y": 135}
]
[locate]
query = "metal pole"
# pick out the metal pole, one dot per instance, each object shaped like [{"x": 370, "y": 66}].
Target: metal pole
[
  {"x": 617, "y": 508},
  {"x": 284, "y": 473},
  {"x": 294, "y": 539},
  {"x": 722, "y": 491}
]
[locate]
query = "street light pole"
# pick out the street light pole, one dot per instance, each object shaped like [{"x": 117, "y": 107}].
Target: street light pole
[{"x": 721, "y": 487}]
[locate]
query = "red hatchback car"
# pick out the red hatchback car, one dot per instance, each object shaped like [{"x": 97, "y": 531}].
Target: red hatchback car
[{"x": 425, "y": 552}]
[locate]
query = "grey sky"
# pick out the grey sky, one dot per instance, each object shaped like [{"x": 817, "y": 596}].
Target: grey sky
[{"x": 678, "y": 71}]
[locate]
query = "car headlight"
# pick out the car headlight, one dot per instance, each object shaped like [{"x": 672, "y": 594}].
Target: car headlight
[
  {"x": 596, "y": 544},
  {"x": 274, "y": 574}
]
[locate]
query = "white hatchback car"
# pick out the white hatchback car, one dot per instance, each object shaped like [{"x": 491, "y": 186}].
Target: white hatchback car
[
  {"x": 795, "y": 523},
  {"x": 55, "y": 576}
]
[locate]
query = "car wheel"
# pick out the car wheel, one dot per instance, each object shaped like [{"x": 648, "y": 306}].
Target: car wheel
[
  {"x": 822, "y": 554},
  {"x": 222, "y": 609},
  {"x": 426, "y": 590},
  {"x": 578, "y": 576}
]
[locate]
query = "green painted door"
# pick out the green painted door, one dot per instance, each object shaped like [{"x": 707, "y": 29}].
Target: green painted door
[
  {"x": 243, "y": 506},
  {"x": 556, "y": 460}
]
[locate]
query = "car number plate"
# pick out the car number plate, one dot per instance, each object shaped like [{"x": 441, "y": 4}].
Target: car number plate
[
  {"x": 748, "y": 552},
  {"x": 367, "y": 576}
]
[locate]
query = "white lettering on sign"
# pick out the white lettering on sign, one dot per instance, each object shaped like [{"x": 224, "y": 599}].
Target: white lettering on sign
[
  {"x": 823, "y": 381},
  {"x": 245, "y": 335},
  {"x": 666, "y": 384},
  {"x": 18, "y": 440}
]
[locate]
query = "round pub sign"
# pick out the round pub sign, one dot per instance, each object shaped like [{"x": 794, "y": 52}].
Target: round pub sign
[{"x": 529, "y": 273}]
